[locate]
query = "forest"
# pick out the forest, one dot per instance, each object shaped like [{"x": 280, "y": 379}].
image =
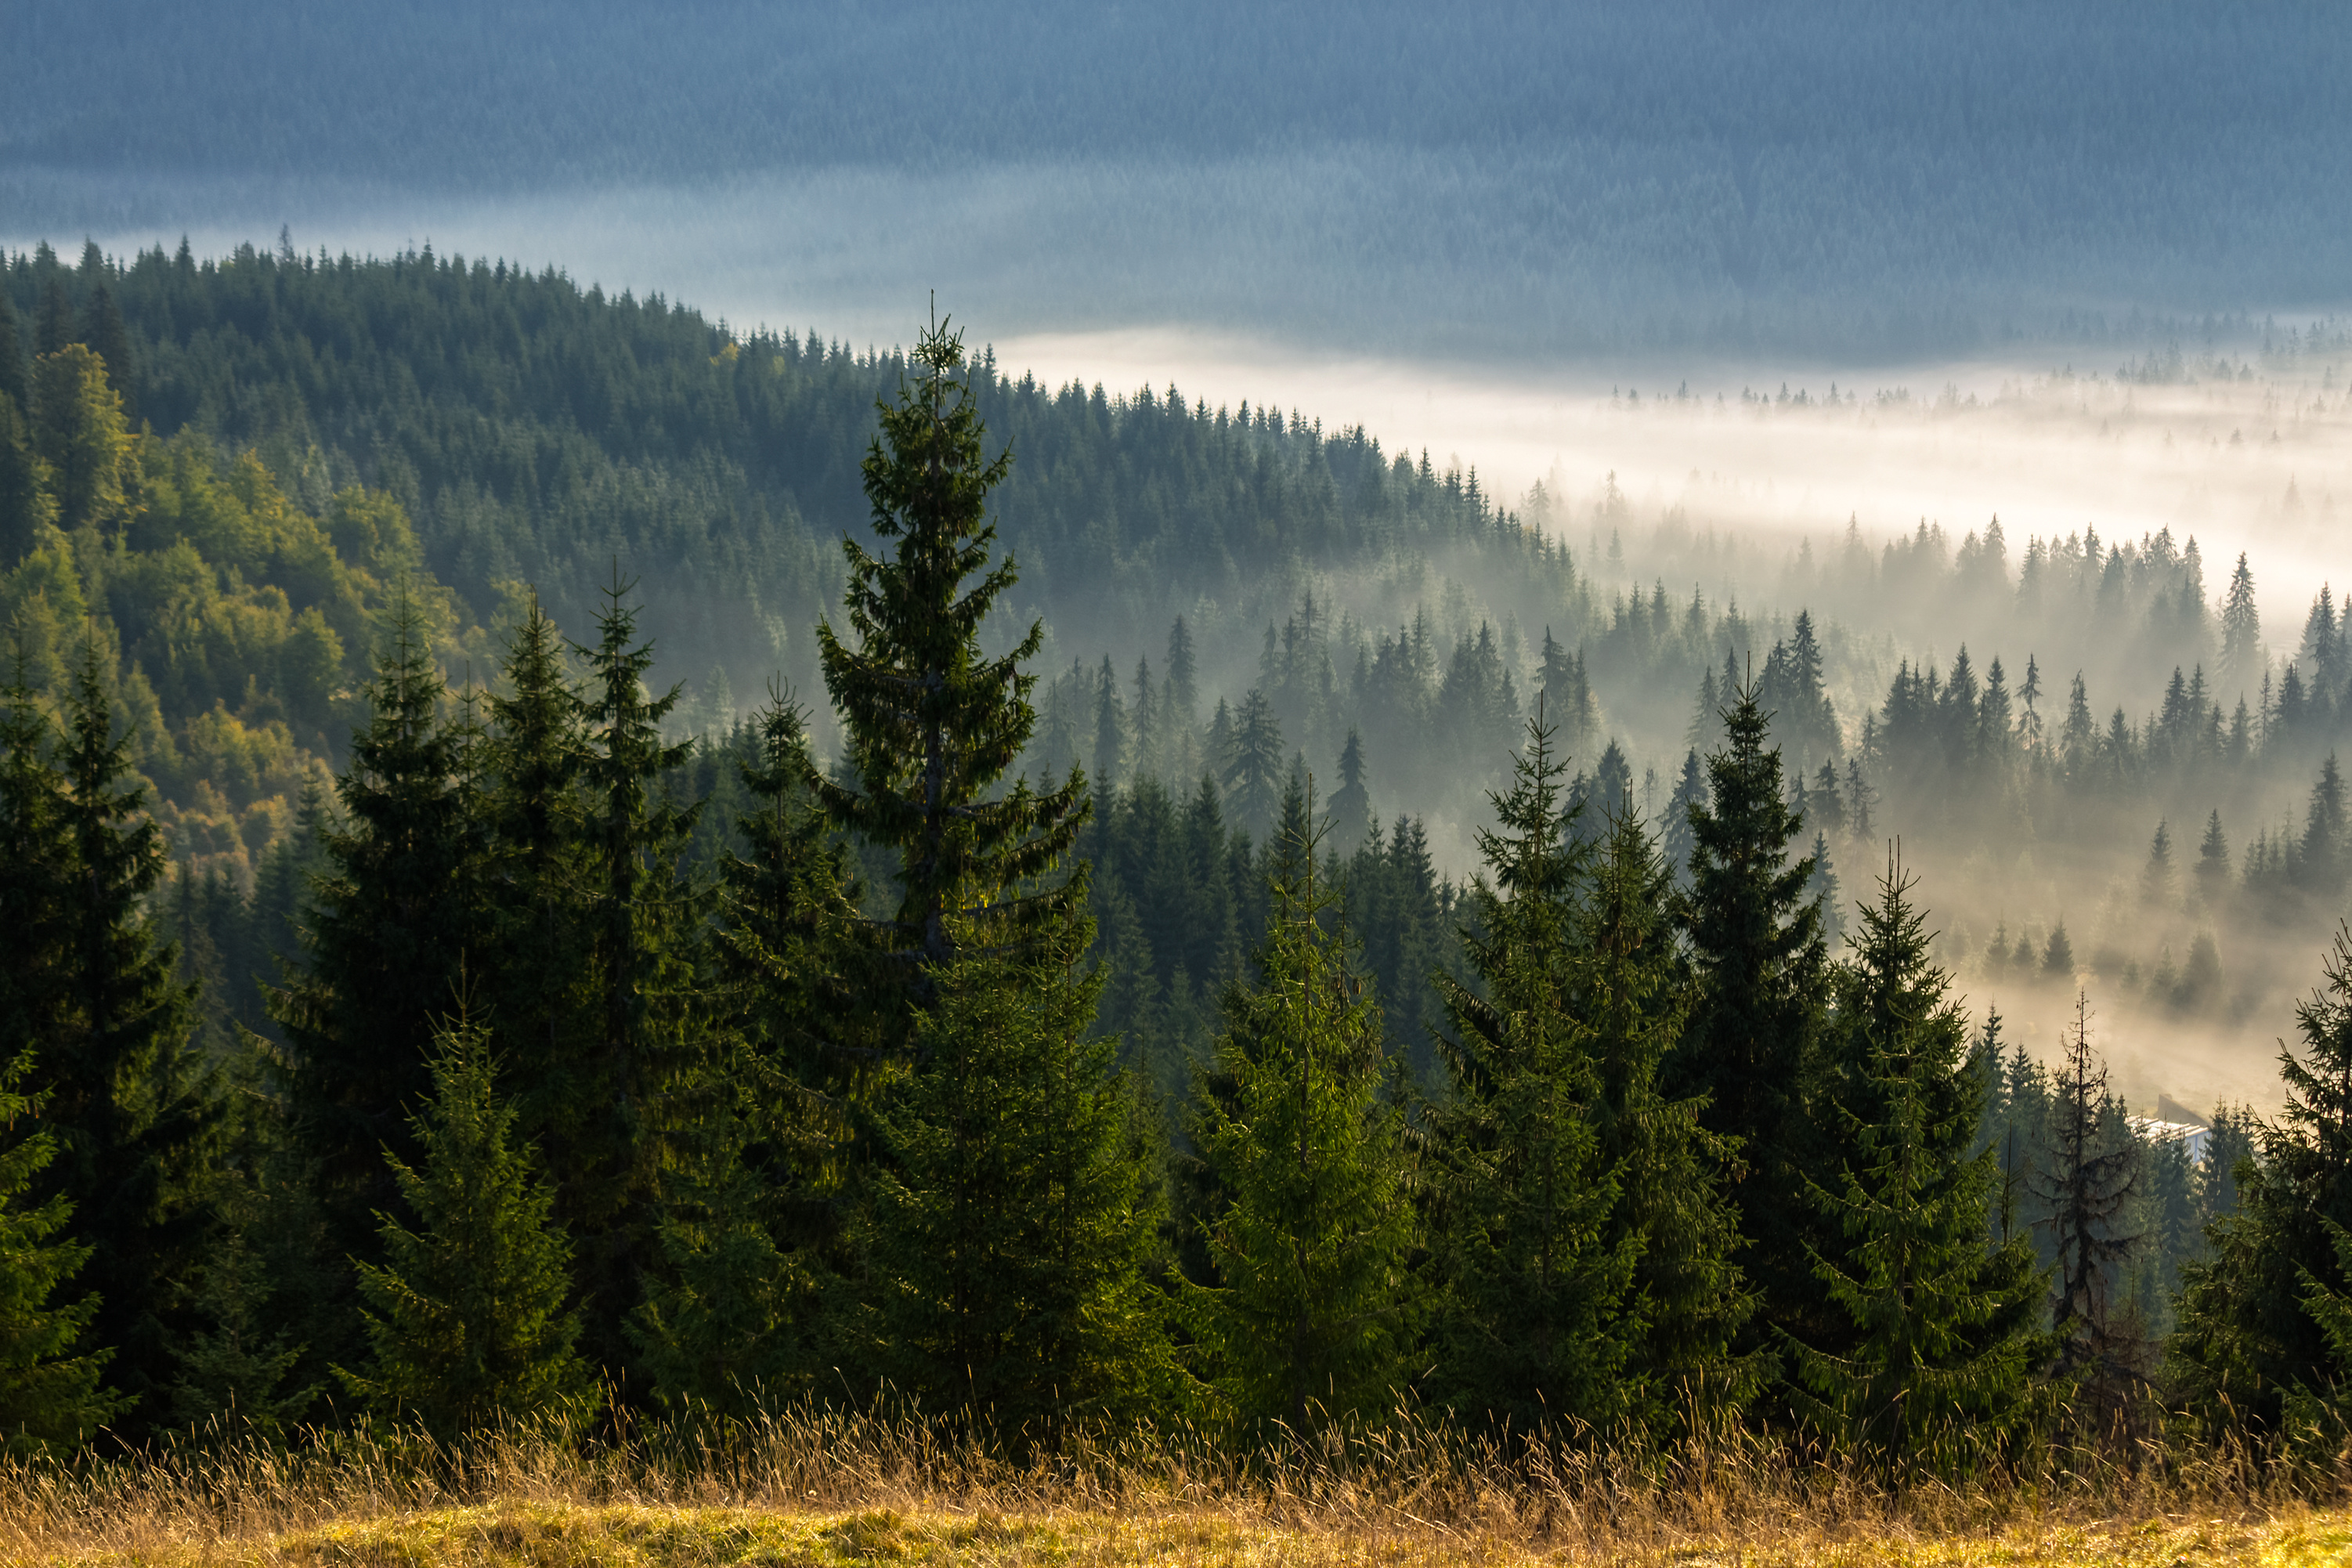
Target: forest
[{"x": 427, "y": 1017}]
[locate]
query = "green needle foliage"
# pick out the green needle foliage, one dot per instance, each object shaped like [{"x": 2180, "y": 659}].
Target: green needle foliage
[
  {"x": 49, "y": 1391},
  {"x": 1014, "y": 1215},
  {"x": 391, "y": 925},
  {"x": 1762, "y": 970},
  {"x": 465, "y": 1316},
  {"x": 1312, "y": 1312},
  {"x": 1535, "y": 1324},
  {"x": 1689, "y": 1300},
  {"x": 136, "y": 1111},
  {"x": 932, "y": 723},
  {"x": 1941, "y": 1345}
]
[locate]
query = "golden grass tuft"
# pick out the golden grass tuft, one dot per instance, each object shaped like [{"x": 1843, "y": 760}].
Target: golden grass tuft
[{"x": 826, "y": 1488}]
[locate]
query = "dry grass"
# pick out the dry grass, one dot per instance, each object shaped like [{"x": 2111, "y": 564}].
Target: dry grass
[{"x": 822, "y": 1488}]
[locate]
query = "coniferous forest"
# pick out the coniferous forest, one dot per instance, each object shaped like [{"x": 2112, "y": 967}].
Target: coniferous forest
[{"x": 425, "y": 1010}]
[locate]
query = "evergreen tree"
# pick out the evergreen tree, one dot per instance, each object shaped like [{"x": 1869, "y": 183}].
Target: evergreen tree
[
  {"x": 1690, "y": 1300},
  {"x": 1351, "y": 803},
  {"x": 2251, "y": 1331},
  {"x": 646, "y": 1076},
  {"x": 2088, "y": 1188},
  {"x": 1253, "y": 771},
  {"x": 1534, "y": 1326},
  {"x": 1310, "y": 1314},
  {"x": 49, "y": 1378},
  {"x": 102, "y": 329},
  {"x": 1935, "y": 1343},
  {"x": 535, "y": 982},
  {"x": 393, "y": 923},
  {"x": 932, "y": 723},
  {"x": 465, "y": 1316},
  {"x": 1690, "y": 790},
  {"x": 1761, "y": 965},
  {"x": 136, "y": 1113},
  {"x": 80, "y": 434},
  {"x": 2213, "y": 866}
]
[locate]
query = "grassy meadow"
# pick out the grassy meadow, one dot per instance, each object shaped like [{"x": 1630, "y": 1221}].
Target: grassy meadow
[{"x": 826, "y": 1489}]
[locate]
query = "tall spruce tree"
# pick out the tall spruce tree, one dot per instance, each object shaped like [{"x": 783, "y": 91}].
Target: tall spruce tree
[
  {"x": 2091, "y": 1175},
  {"x": 465, "y": 1316},
  {"x": 1311, "y": 1314},
  {"x": 1762, "y": 968},
  {"x": 1933, "y": 1363},
  {"x": 2252, "y": 1327},
  {"x": 393, "y": 923},
  {"x": 1000, "y": 1108},
  {"x": 136, "y": 1112},
  {"x": 1690, "y": 1300},
  {"x": 1534, "y": 1326},
  {"x": 931, "y": 724},
  {"x": 534, "y": 982},
  {"x": 650, "y": 1066}
]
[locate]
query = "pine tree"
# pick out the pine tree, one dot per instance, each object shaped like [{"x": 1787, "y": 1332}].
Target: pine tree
[
  {"x": 1761, "y": 967},
  {"x": 2242, "y": 628},
  {"x": 932, "y": 723},
  {"x": 102, "y": 329},
  {"x": 15, "y": 385},
  {"x": 49, "y": 1377},
  {"x": 1310, "y": 1314},
  {"x": 1934, "y": 1343},
  {"x": 1533, "y": 1324},
  {"x": 465, "y": 1316},
  {"x": 80, "y": 432},
  {"x": 2253, "y": 1329}
]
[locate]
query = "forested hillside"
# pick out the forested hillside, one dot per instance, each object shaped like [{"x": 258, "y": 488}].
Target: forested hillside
[
  {"x": 1232, "y": 592},
  {"x": 602, "y": 1072}
]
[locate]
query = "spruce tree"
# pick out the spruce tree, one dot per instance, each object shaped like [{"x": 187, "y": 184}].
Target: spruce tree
[
  {"x": 465, "y": 1316},
  {"x": 1533, "y": 1322},
  {"x": 650, "y": 1066},
  {"x": 15, "y": 387},
  {"x": 930, "y": 723},
  {"x": 1311, "y": 1314},
  {"x": 1674, "y": 1209},
  {"x": 2091, "y": 1176},
  {"x": 1760, "y": 967},
  {"x": 136, "y": 1112},
  {"x": 394, "y": 921},
  {"x": 2250, "y": 1334},
  {"x": 1934, "y": 1341},
  {"x": 51, "y": 1394},
  {"x": 534, "y": 982}
]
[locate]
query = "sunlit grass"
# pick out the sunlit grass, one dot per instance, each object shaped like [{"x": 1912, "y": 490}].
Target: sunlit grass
[{"x": 823, "y": 1489}]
